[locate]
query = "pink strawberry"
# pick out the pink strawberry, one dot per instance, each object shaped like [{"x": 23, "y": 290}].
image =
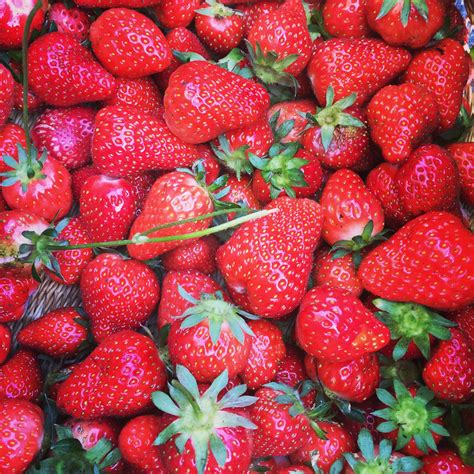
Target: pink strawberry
[
  {"x": 72, "y": 21},
  {"x": 463, "y": 155},
  {"x": 15, "y": 291}
]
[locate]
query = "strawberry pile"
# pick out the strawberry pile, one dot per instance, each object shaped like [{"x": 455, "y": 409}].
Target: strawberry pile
[{"x": 267, "y": 207}]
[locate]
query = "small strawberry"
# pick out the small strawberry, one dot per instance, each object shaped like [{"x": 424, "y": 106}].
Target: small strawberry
[
  {"x": 72, "y": 21},
  {"x": 6, "y": 94},
  {"x": 464, "y": 318},
  {"x": 11, "y": 135},
  {"x": 15, "y": 291},
  {"x": 5, "y": 342},
  {"x": 176, "y": 13},
  {"x": 463, "y": 155},
  {"x": 345, "y": 19},
  {"x": 444, "y": 461}
]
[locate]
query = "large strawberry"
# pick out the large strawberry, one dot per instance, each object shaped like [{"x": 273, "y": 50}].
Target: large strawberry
[
  {"x": 203, "y": 101},
  {"x": 15, "y": 290},
  {"x": 72, "y": 21},
  {"x": 6, "y": 94},
  {"x": 116, "y": 379},
  {"x": 360, "y": 66},
  {"x": 129, "y": 44},
  {"x": 62, "y": 72},
  {"x": 429, "y": 261},
  {"x": 117, "y": 294},
  {"x": 463, "y": 155},
  {"x": 266, "y": 263}
]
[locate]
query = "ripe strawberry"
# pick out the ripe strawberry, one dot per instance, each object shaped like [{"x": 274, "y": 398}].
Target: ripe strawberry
[
  {"x": 20, "y": 377},
  {"x": 345, "y": 20},
  {"x": 6, "y": 94},
  {"x": 129, "y": 44},
  {"x": 411, "y": 24},
  {"x": 149, "y": 144},
  {"x": 266, "y": 352},
  {"x": 115, "y": 3},
  {"x": 361, "y": 66},
  {"x": 34, "y": 102},
  {"x": 5, "y": 342},
  {"x": 267, "y": 262},
  {"x": 72, "y": 21},
  {"x": 116, "y": 379},
  {"x": 464, "y": 318},
  {"x": 239, "y": 192},
  {"x": 15, "y": 291},
  {"x": 176, "y": 13},
  {"x": 429, "y": 261},
  {"x": 444, "y": 461},
  {"x": 253, "y": 11},
  {"x": 141, "y": 184},
  {"x": 463, "y": 155},
  {"x": 231, "y": 102},
  {"x": 21, "y": 434},
  {"x": 136, "y": 443},
  {"x": 427, "y": 181},
  {"x": 66, "y": 134},
  {"x": 199, "y": 255},
  {"x": 59, "y": 333},
  {"x": 79, "y": 177},
  {"x": 174, "y": 197},
  {"x": 62, "y": 72},
  {"x": 10, "y": 136},
  {"x": 295, "y": 469},
  {"x": 450, "y": 371},
  {"x": 117, "y": 294},
  {"x": 401, "y": 118}
]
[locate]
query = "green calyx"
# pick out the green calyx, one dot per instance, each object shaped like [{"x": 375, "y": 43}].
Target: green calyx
[
  {"x": 216, "y": 9},
  {"x": 411, "y": 415},
  {"x": 412, "y": 322},
  {"x": 291, "y": 396},
  {"x": 199, "y": 417},
  {"x": 404, "y": 370},
  {"x": 280, "y": 131},
  {"x": 217, "y": 312},
  {"x": 236, "y": 160},
  {"x": 420, "y": 7}
]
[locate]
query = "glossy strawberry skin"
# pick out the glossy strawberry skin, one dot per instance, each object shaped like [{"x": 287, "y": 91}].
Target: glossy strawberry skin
[
  {"x": 464, "y": 318},
  {"x": 176, "y": 13},
  {"x": 72, "y": 21},
  {"x": 79, "y": 176},
  {"x": 115, "y": 3},
  {"x": 463, "y": 155},
  {"x": 10, "y": 135},
  {"x": 15, "y": 290},
  {"x": 5, "y": 342},
  {"x": 62, "y": 72},
  {"x": 346, "y": 19},
  {"x": 445, "y": 461},
  {"x": 252, "y": 11},
  {"x": 7, "y": 84},
  {"x": 240, "y": 192}
]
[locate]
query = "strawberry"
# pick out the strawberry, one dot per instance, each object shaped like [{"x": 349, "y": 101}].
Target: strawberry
[
  {"x": 117, "y": 294},
  {"x": 15, "y": 291},
  {"x": 136, "y": 443},
  {"x": 345, "y": 20},
  {"x": 464, "y": 318},
  {"x": 252, "y": 11},
  {"x": 427, "y": 181},
  {"x": 444, "y": 461},
  {"x": 176, "y": 13},
  {"x": 266, "y": 352},
  {"x": 20, "y": 377},
  {"x": 463, "y": 155},
  {"x": 72, "y": 21},
  {"x": 73, "y": 79},
  {"x": 429, "y": 261},
  {"x": 401, "y": 118},
  {"x": 21, "y": 434},
  {"x": 116, "y": 379},
  {"x": 239, "y": 192},
  {"x": 199, "y": 255},
  {"x": 79, "y": 177},
  {"x": 194, "y": 120},
  {"x": 5, "y": 342},
  {"x": 296, "y": 469},
  {"x": 361, "y": 66},
  {"x": 266, "y": 263},
  {"x": 10, "y": 136},
  {"x": 141, "y": 184},
  {"x": 115, "y": 3},
  {"x": 174, "y": 197},
  {"x": 34, "y": 102},
  {"x": 6, "y": 94},
  {"x": 149, "y": 144},
  {"x": 66, "y": 134},
  {"x": 129, "y": 44},
  {"x": 450, "y": 371},
  {"x": 59, "y": 333},
  {"x": 411, "y": 24}
]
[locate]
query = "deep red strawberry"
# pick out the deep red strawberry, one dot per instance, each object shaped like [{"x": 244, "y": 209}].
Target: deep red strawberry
[
  {"x": 346, "y": 19},
  {"x": 141, "y": 184},
  {"x": 252, "y": 11},
  {"x": 15, "y": 291},
  {"x": 444, "y": 461},
  {"x": 239, "y": 192},
  {"x": 463, "y": 155},
  {"x": 10, "y": 135},
  {"x": 6, "y": 94},
  {"x": 72, "y": 21},
  {"x": 176, "y": 13},
  {"x": 464, "y": 318},
  {"x": 34, "y": 102},
  {"x": 5, "y": 342}
]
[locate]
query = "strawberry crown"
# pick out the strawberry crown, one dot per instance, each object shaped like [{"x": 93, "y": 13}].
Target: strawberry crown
[
  {"x": 216, "y": 9},
  {"x": 236, "y": 160},
  {"x": 419, "y": 5}
]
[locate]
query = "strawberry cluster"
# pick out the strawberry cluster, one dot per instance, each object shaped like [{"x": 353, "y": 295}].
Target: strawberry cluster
[{"x": 267, "y": 208}]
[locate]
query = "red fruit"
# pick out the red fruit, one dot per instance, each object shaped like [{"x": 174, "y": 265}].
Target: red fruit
[
  {"x": 199, "y": 255},
  {"x": 429, "y": 261},
  {"x": 346, "y": 19},
  {"x": 79, "y": 177},
  {"x": 334, "y": 326},
  {"x": 5, "y": 342},
  {"x": 296, "y": 469},
  {"x": 174, "y": 197},
  {"x": 266, "y": 352},
  {"x": 464, "y": 318},
  {"x": 240, "y": 192},
  {"x": 148, "y": 143},
  {"x": 129, "y": 44},
  {"x": 444, "y": 462},
  {"x": 450, "y": 371},
  {"x": 400, "y": 119},
  {"x": 267, "y": 262},
  {"x": 59, "y": 333},
  {"x": 203, "y": 101},
  {"x": 253, "y": 11},
  {"x": 141, "y": 184},
  {"x": 107, "y": 207},
  {"x": 34, "y": 102},
  {"x": 20, "y": 377},
  {"x": 66, "y": 134},
  {"x": 209, "y": 162},
  {"x": 115, "y": 3},
  {"x": 360, "y": 66},
  {"x": 126, "y": 361},
  {"x": 176, "y": 13},
  {"x": 15, "y": 291},
  {"x": 62, "y": 72},
  {"x": 10, "y": 135},
  {"x": 117, "y": 294},
  {"x": 72, "y": 21},
  {"x": 7, "y": 84},
  {"x": 21, "y": 434},
  {"x": 463, "y": 155}
]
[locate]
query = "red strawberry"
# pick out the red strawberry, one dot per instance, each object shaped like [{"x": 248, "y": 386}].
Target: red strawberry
[
  {"x": 117, "y": 294},
  {"x": 446, "y": 461},
  {"x": 6, "y": 94},
  {"x": 141, "y": 184},
  {"x": 174, "y": 197},
  {"x": 239, "y": 192},
  {"x": 361, "y": 66},
  {"x": 401, "y": 118},
  {"x": 450, "y": 371},
  {"x": 72, "y": 21},
  {"x": 266, "y": 263},
  {"x": 346, "y": 19},
  {"x": 59, "y": 333},
  {"x": 266, "y": 352},
  {"x": 149, "y": 144},
  {"x": 464, "y": 318},
  {"x": 79, "y": 177},
  {"x": 463, "y": 155},
  {"x": 199, "y": 256},
  {"x": 10, "y": 135},
  {"x": 252, "y": 11},
  {"x": 5, "y": 342},
  {"x": 129, "y": 44},
  {"x": 209, "y": 162},
  {"x": 231, "y": 101},
  {"x": 410, "y": 24},
  {"x": 21, "y": 434},
  {"x": 116, "y": 379},
  {"x": 429, "y": 261},
  {"x": 62, "y": 72},
  {"x": 20, "y": 377},
  {"x": 66, "y": 134},
  {"x": 176, "y": 13},
  {"x": 115, "y": 3},
  {"x": 15, "y": 290},
  {"x": 34, "y": 102}
]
